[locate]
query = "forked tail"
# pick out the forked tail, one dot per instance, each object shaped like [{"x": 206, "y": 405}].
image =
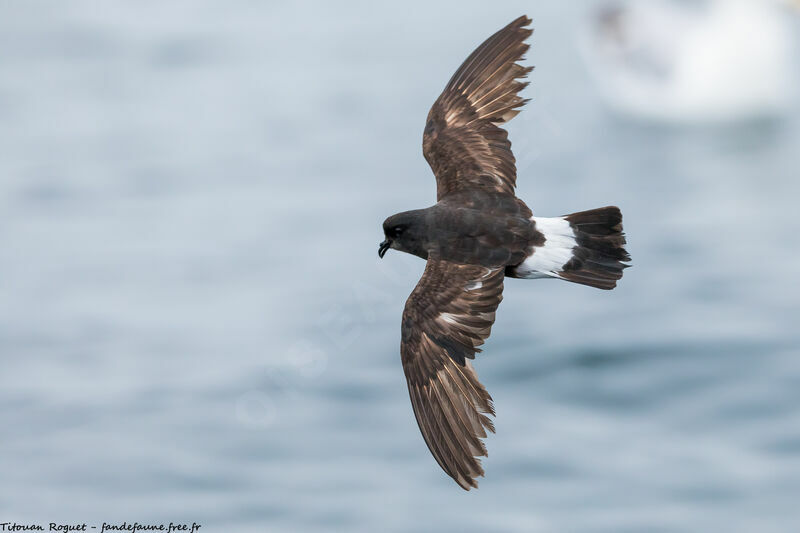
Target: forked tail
[{"x": 586, "y": 247}]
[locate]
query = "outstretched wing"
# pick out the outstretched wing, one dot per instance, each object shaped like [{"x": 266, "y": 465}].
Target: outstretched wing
[
  {"x": 462, "y": 142},
  {"x": 448, "y": 315}
]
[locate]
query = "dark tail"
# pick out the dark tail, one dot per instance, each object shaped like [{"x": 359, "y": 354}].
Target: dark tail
[
  {"x": 599, "y": 256},
  {"x": 586, "y": 247}
]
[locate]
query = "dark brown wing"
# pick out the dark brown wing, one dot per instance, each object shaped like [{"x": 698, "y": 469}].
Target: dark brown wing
[
  {"x": 446, "y": 318},
  {"x": 462, "y": 141}
]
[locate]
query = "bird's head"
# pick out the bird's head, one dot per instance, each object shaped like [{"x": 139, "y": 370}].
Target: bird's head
[{"x": 404, "y": 232}]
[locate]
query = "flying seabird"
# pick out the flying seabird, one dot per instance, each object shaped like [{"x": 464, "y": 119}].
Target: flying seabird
[{"x": 477, "y": 234}]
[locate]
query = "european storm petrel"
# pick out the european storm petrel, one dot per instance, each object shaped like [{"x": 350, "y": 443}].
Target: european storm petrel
[{"x": 478, "y": 233}]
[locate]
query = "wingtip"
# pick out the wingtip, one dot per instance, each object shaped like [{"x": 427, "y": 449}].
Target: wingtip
[
  {"x": 467, "y": 483},
  {"x": 523, "y": 25},
  {"x": 521, "y": 21}
]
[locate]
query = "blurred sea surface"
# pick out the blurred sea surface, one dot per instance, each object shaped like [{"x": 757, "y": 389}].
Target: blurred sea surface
[{"x": 194, "y": 323}]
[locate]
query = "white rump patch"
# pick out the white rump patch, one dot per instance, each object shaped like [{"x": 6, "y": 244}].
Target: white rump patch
[{"x": 547, "y": 261}]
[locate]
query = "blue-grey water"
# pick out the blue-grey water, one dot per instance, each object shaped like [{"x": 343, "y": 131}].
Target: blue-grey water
[{"x": 195, "y": 326}]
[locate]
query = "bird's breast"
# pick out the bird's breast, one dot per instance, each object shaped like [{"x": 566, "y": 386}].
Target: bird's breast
[{"x": 491, "y": 238}]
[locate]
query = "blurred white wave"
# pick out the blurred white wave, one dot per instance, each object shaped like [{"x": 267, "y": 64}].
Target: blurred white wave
[{"x": 695, "y": 61}]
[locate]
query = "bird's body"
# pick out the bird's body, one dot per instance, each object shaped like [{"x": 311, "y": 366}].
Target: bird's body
[
  {"x": 473, "y": 227},
  {"x": 477, "y": 234}
]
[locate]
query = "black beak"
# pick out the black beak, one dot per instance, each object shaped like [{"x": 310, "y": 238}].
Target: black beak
[{"x": 385, "y": 245}]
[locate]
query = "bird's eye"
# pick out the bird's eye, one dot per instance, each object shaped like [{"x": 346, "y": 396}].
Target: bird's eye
[{"x": 397, "y": 231}]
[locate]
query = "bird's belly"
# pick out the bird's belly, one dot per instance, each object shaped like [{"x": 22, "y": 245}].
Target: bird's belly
[{"x": 497, "y": 242}]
